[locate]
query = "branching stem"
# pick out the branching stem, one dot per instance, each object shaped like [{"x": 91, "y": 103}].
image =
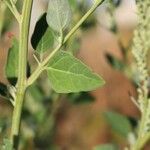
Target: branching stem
[
  {"x": 43, "y": 64},
  {"x": 22, "y": 71},
  {"x": 23, "y": 83}
]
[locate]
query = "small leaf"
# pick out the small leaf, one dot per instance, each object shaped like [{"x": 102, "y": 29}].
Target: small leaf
[
  {"x": 106, "y": 147},
  {"x": 58, "y": 14},
  {"x": 42, "y": 38},
  {"x": 11, "y": 69},
  {"x": 119, "y": 123},
  {"x": 7, "y": 145},
  {"x": 67, "y": 74}
]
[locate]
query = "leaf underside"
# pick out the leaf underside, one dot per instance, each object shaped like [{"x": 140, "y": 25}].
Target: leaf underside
[
  {"x": 11, "y": 68},
  {"x": 58, "y": 14}
]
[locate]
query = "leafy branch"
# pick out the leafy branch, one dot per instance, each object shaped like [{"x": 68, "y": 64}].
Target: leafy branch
[
  {"x": 43, "y": 64},
  {"x": 78, "y": 75}
]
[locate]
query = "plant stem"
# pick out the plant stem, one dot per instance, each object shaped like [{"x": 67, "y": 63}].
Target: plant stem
[
  {"x": 93, "y": 8},
  {"x": 143, "y": 135},
  {"x": 17, "y": 117},
  {"x": 140, "y": 140},
  {"x": 22, "y": 71},
  {"x": 39, "y": 69},
  {"x": 140, "y": 143}
]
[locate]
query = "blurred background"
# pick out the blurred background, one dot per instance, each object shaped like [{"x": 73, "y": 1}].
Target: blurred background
[{"x": 78, "y": 121}]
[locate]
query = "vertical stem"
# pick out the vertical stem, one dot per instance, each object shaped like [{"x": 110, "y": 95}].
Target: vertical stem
[
  {"x": 22, "y": 71},
  {"x": 23, "y": 44},
  {"x": 140, "y": 142},
  {"x": 143, "y": 136},
  {"x": 16, "y": 120}
]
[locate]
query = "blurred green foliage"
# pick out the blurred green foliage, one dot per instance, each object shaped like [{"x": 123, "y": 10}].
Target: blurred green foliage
[
  {"x": 106, "y": 147},
  {"x": 119, "y": 123},
  {"x": 42, "y": 103}
]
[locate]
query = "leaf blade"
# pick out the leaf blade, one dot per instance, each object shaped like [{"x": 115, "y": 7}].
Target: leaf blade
[
  {"x": 11, "y": 68},
  {"x": 42, "y": 37},
  {"x": 119, "y": 123},
  {"x": 58, "y": 14},
  {"x": 67, "y": 74}
]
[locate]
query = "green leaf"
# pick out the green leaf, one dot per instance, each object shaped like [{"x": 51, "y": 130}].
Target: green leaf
[
  {"x": 7, "y": 145},
  {"x": 42, "y": 38},
  {"x": 11, "y": 68},
  {"x": 58, "y": 14},
  {"x": 67, "y": 74},
  {"x": 119, "y": 123},
  {"x": 106, "y": 147}
]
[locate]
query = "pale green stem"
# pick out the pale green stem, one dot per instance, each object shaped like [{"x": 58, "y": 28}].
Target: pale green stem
[
  {"x": 140, "y": 142},
  {"x": 22, "y": 71},
  {"x": 143, "y": 136},
  {"x": 39, "y": 69}
]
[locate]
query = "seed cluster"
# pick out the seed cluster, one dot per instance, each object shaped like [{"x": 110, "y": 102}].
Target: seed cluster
[{"x": 141, "y": 45}]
